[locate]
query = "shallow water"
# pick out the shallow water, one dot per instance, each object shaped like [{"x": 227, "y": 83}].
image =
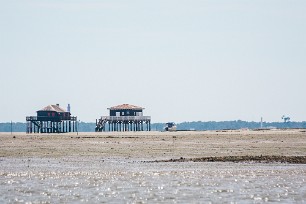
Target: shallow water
[{"x": 96, "y": 180}]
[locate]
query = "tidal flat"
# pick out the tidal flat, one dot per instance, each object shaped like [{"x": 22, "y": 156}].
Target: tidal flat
[{"x": 120, "y": 167}]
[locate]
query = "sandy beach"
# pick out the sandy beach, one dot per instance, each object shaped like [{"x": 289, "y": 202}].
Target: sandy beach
[{"x": 149, "y": 146}]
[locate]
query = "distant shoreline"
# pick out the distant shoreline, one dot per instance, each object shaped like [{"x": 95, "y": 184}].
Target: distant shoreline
[{"x": 183, "y": 126}]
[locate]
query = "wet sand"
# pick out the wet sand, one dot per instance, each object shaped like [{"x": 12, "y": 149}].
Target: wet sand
[
  {"x": 154, "y": 167},
  {"x": 227, "y": 145}
]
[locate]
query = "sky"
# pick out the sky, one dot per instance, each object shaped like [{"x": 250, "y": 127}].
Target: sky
[{"x": 199, "y": 60}]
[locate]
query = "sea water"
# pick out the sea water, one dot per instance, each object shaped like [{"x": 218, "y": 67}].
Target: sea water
[{"x": 100, "y": 180}]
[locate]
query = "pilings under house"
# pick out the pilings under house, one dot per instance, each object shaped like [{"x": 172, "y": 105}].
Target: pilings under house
[
  {"x": 123, "y": 118},
  {"x": 52, "y": 119}
]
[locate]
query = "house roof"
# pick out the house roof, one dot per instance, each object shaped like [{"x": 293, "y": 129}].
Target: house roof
[
  {"x": 126, "y": 107},
  {"x": 55, "y": 108}
]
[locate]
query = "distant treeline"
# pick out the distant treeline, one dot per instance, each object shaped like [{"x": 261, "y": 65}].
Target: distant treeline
[
  {"x": 237, "y": 124},
  {"x": 199, "y": 125}
]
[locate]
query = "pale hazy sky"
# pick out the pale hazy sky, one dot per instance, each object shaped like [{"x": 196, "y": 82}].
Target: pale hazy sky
[{"x": 183, "y": 60}]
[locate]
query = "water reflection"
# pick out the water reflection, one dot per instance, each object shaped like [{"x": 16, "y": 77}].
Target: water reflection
[{"x": 113, "y": 181}]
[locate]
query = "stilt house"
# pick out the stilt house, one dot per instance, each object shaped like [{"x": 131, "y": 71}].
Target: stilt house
[
  {"x": 124, "y": 117},
  {"x": 52, "y": 119}
]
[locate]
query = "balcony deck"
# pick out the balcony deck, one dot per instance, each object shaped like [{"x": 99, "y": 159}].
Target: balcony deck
[
  {"x": 126, "y": 118},
  {"x": 42, "y": 118}
]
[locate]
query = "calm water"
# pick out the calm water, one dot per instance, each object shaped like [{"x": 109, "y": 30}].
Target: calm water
[{"x": 122, "y": 181}]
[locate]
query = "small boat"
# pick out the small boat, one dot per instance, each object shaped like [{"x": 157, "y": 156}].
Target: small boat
[{"x": 170, "y": 126}]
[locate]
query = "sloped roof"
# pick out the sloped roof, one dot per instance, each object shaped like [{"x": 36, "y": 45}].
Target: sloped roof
[
  {"x": 55, "y": 108},
  {"x": 126, "y": 107}
]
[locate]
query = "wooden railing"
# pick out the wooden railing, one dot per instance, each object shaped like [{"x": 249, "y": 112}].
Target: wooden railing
[
  {"x": 125, "y": 118},
  {"x": 31, "y": 118},
  {"x": 73, "y": 118},
  {"x": 34, "y": 118}
]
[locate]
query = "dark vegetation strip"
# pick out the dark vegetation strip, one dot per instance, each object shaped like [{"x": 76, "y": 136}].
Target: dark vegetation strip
[{"x": 259, "y": 159}]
